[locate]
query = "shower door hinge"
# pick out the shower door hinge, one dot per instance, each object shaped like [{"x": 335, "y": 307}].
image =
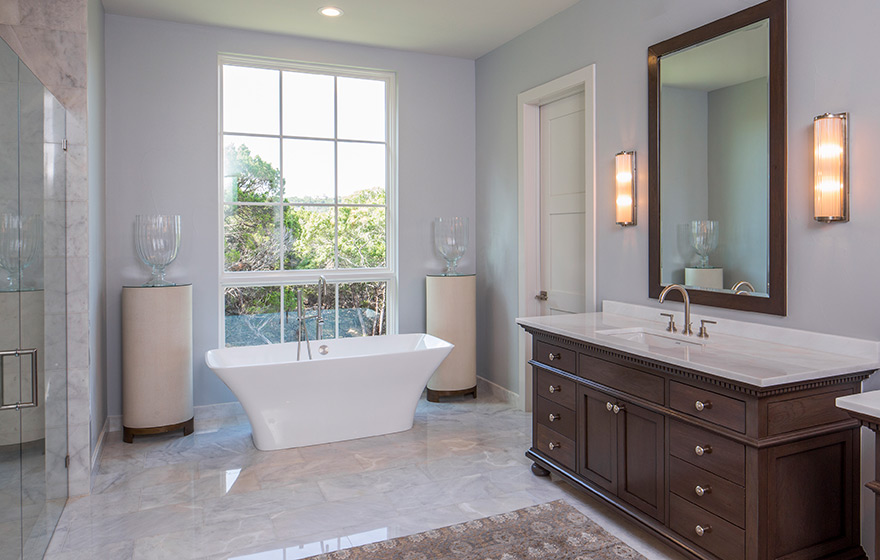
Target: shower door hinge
[
  {"x": 67, "y": 461},
  {"x": 64, "y": 144}
]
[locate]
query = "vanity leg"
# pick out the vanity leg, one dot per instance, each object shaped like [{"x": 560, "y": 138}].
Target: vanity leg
[{"x": 538, "y": 470}]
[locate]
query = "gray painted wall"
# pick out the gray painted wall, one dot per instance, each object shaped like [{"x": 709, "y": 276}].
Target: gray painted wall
[
  {"x": 97, "y": 282},
  {"x": 832, "y": 271},
  {"x": 162, "y": 156},
  {"x": 684, "y": 173},
  {"x": 738, "y": 193}
]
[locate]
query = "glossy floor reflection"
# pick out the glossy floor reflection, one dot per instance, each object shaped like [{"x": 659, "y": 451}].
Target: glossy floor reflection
[{"x": 213, "y": 495}]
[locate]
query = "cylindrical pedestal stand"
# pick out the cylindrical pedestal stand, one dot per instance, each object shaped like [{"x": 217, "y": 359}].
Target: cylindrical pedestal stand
[
  {"x": 451, "y": 315},
  {"x": 157, "y": 392}
]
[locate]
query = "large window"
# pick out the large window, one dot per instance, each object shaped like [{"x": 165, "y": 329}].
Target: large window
[{"x": 307, "y": 191}]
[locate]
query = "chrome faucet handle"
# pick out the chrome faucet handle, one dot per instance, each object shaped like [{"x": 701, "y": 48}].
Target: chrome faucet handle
[
  {"x": 671, "y": 326},
  {"x": 703, "y": 332}
]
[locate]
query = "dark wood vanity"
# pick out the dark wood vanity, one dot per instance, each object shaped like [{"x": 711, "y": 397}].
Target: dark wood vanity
[{"x": 721, "y": 469}]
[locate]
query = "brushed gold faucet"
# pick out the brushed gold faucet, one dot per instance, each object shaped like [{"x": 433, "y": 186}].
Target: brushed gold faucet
[{"x": 687, "y": 305}]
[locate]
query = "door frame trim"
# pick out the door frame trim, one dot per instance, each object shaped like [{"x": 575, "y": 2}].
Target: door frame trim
[{"x": 529, "y": 105}]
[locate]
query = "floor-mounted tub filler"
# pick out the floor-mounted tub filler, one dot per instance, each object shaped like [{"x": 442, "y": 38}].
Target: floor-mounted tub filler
[{"x": 350, "y": 388}]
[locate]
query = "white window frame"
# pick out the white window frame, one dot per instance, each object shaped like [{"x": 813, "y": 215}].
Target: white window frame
[{"x": 387, "y": 274}]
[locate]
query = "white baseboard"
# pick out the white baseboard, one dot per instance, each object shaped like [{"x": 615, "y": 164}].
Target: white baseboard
[
  {"x": 206, "y": 412},
  {"x": 485, "y": 386}
]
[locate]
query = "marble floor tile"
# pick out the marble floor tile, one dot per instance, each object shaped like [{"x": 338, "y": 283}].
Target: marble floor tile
[{"x": 212, "y": 495}]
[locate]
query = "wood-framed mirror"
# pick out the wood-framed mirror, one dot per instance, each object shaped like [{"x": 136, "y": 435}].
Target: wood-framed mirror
[{"x": 717, "y": 173}]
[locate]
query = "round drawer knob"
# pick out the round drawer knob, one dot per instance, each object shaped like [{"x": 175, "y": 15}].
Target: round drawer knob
[
  {"x": 609, "y": 407},
  {"x": 554, "y": 417},
  {"x": 702, "y": 490},
  {"x": 701, "y": 405},
  {"x": 555, "y": 446},
  {"x": 617, "y": 408},
  {"x": 701, "y": 530},
  {"x": 555, "y": 389},
  {"x": 557, "y": 356},
  {"x": 701, "y": 450}
]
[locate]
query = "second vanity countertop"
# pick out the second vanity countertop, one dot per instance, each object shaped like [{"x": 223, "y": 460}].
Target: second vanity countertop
[{"x": 770, "y": 356}]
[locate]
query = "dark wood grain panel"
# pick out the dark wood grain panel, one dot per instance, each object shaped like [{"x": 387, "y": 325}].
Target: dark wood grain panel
[
  {"x": 556, "y": 417},
  {"x": 555, "y": 356},
  {"x": 724, "y": 540},
  {"x": 598, "y": 451},
  {"x": 812, "y": 498},
  {"x": 562, "y": 449},
  {"x": 641, "y": 459},
  {"x": 713, "y": 407},
  {"x": 803, "y": 412},
  {"x": 632, "y": 381},
  {"x": 722, "y": 456},
  {"x": 555, "y": 388},
  {"x": 719, "y": 496}
]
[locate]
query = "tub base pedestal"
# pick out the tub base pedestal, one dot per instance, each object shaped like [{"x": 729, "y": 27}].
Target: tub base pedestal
[
  {"x": 128, "y": 433},
  {"x": 434, "y": 396}
]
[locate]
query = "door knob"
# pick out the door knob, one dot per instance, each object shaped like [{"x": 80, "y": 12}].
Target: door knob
[{"x": 542, "y": 296}]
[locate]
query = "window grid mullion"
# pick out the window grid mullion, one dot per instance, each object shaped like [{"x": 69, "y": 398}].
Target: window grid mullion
[
  {"x": 336, "y": 172},
  {"x": 280, "y": 200}
]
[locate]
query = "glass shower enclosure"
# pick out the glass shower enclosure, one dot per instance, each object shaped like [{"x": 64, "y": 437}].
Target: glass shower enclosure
[{"x": 33, "y": 356}]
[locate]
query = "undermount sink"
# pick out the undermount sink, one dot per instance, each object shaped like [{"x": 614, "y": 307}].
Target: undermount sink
[{"x": 649, "y": 338}]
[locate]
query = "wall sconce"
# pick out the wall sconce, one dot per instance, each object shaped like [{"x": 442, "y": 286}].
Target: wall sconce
[
  {"x": 831, "y": 168},
  {"x": 625, "y": 181}
]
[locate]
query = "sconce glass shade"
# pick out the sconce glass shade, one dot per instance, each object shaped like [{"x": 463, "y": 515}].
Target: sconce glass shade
[
  {"x": 625, "y": 181},
  {"x": 831, "y": 168}
]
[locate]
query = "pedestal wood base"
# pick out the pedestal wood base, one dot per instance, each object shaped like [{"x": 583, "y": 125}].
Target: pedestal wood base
[
  {"x": 128, "y": 433},
  {"x": 434, "y": 396}
]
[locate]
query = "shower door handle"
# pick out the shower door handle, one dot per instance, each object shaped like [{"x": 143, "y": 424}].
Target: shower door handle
[{"x": 34, "y": 385}]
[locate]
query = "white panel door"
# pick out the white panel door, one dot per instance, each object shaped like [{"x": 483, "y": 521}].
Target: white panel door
[{"x": 563, "y": 218}]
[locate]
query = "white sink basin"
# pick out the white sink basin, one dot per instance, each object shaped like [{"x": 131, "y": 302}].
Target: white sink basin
[{"x": 652, "y": 339}]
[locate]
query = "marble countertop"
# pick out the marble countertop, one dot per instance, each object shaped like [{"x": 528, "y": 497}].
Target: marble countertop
[
  {"x": 862, "y": 403},
  {"x": 774, "y": 356}
]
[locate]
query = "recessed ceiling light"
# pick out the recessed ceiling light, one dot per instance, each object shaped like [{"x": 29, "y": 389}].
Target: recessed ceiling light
[{"x": 330, "y": 11}]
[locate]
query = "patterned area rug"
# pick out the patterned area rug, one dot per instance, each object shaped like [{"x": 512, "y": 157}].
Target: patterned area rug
[{"x": 553, "y": 530}]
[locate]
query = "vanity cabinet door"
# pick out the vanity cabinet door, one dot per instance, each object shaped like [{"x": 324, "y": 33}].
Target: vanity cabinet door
[
  {"x": 598, "y": 446},
  {"x": 640, "y": 458}
]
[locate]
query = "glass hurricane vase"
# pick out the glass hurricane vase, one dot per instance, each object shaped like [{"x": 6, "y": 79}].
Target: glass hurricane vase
[
  {"x": 157, "y": 239},
  {"x": 451, "y": 241},
  {"x": 705, "y": 239}
]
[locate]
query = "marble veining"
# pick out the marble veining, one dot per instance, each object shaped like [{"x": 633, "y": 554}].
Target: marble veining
[
  {"x": 212, "y": 495},
  {"x": 783, "y": 356}
]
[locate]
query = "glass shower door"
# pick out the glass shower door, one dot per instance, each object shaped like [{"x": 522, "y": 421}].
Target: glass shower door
[{"x": 33, "y": 384}]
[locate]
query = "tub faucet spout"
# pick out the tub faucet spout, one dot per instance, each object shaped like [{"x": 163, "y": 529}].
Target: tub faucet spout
[
  {"x": 301, "y": 331},
  {"x": 322, "y": 291}
]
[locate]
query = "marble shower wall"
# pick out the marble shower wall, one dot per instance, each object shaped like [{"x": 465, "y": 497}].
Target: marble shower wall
[{"x": 50, "y": 37}]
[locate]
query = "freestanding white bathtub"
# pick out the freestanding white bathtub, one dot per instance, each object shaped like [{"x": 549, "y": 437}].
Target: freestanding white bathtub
[{"x": 351, "y": 388}]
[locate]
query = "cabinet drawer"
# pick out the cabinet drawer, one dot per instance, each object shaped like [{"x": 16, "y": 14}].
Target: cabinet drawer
[
  {"x": 555, "y": 387},
  {"x": 723, "y": 539},
  {"x": 555, "y": 356},
  {"x": 622, "y": 378},
  {"x": 715, "y": 494},
  {"x": 708, "y": 405},
  {"x": 709, "y": 451},
  {"x": 556, "y": 417},
  {"x": 555, "y": 446}
]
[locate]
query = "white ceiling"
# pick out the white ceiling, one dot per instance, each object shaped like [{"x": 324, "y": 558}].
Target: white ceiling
[{"x": 461, "y": 28}]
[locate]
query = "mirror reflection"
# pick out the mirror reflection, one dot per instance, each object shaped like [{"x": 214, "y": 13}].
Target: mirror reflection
[{"x": 714, "y": 163}]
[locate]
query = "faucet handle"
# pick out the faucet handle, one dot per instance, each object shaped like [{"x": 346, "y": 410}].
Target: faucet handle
[
  {"x": 671, "y": 326},
  {"x": 703, "y": 333}
]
